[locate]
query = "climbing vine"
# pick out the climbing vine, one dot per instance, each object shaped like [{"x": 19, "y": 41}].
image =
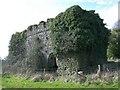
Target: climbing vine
[{"x": 78, "y": 30}]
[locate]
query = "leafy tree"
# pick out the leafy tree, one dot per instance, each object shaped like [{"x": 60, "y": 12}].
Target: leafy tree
[
  {"x": 81, "y": 31},
  {"x": 114, "y": 44}
]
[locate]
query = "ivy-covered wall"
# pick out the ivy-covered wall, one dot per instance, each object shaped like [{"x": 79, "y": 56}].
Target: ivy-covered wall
[
  {"x": 30, "y": 49},
  {"x": 82, "y": 32},
  {"x": 77, "y": 38},
  {"x": 17, "y": 47}
]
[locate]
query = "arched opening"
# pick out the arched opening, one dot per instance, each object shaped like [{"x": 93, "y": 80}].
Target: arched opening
[{"x": 52, "y": 65}]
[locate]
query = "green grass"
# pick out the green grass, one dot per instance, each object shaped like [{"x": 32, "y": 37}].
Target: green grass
[{"x": 17, "y": 82}]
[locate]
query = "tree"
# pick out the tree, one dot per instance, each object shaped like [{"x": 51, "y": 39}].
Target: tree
[
  {"x": 81, "y": 31},
  {"x": 114, "y": 42}
]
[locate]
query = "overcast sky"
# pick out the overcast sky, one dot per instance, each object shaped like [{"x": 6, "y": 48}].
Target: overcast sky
[{"x": 17, "y": 15}]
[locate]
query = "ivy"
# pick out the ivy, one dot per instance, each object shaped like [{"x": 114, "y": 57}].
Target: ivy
[
  {"x": 17, "y": 43},
  {"x": 79, "y": 30}
]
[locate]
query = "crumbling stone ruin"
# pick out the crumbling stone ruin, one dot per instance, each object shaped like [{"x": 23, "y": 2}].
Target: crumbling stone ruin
[
  {"x": 38, "y": 39},
  {"x": 36, "y": 52},
  {"x": 32, "y": 50}
]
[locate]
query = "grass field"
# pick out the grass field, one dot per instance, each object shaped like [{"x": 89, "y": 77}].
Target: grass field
[{"x": 9, "y": 81}]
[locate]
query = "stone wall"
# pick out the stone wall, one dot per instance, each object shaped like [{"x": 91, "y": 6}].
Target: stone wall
[
  {"x": 37, "y": 42},
  {"x": 41, "y": 32},
  {"x": 68, "y": 64},
  {"x": 38, "y": 37}
]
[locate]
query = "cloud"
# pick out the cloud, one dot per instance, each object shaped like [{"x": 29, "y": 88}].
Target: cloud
[
  {"x": 110, "y": 15},
  {"x": 101, "y": 2},
  {"x": 17, "y": 15},
  {"x": 119, "y": 10}
]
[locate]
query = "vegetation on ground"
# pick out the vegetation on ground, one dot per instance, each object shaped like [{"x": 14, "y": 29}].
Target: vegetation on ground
[{"x": 9, "y": 81}]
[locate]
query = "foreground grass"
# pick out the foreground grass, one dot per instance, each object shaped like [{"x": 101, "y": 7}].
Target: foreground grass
[{"x": 17, "y": 82}]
